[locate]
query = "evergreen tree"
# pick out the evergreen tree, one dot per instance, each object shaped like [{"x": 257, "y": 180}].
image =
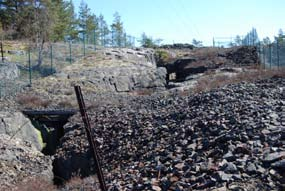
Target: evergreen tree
[
  {"x": 147, "y": 42},
  {"x": 104, "y": 31},
  {"x": 117, "y": 31},
  {"x": 266, "y": 41},
  {"x": 86, "y": 21},
  {"x": 238, "y": 40},
  {"x": 197, "y": 43},
  {"x": 65, "y": 20},
  {"x": 251, "y": 38},
  {"x": 72, "y": 29}
]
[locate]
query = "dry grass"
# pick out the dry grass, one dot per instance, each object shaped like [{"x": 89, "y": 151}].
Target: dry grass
[
  {"x": 87, "y": 184},
  {"x": 32, "y": 101},
  {"x": 215, "y": 81},
  {"x": 66, "y": 104},
  {"x": 34, "y": 184}
]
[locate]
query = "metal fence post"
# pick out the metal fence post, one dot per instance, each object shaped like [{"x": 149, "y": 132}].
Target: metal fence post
[
  {"x": 278, "y": 59},
  {"x": 2, "y": 52},
  {"x": 30, "y": 68},
  {"x": 90, "y": 137},
  {"x": 264, "y": 59},
  {"x": 70, "y": 55},
  {"x": 51, "y": 59},
  {"x": 270, "y": 55},
  {"x": 84, "y": 44},
  {"x": 94, "y": 39}
]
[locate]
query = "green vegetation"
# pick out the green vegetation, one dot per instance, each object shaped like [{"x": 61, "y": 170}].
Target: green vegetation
[
  {"x": 41, "y": 21},
  {"x": 163, "y": 57},
  {"x": 149, "y": 42}
]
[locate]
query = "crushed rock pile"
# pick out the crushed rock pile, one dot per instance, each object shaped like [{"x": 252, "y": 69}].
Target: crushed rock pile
[{"x": 230, "y": 138}]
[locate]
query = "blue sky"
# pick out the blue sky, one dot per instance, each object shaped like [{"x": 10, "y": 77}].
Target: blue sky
[{"x": 182, "y": 20}]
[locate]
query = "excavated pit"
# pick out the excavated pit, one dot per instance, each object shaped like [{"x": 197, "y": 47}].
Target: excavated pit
[{"x": 50, "y": 123}]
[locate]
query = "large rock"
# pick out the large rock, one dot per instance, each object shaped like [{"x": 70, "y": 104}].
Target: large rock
[
  {"x": 139, "y": 56},
  {"x": 198, "y": 61},
  {"x": 8, "y": 71},
  {"x": 123, "y": 70},
  {"x": 124, "y": 78},
  {"x": 15, "y": 124},
  {"x": 19, "y": 160}
]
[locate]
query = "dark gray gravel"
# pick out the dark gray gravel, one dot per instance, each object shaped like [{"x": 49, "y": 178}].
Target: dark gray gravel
[{"x": 229, "y": 138}]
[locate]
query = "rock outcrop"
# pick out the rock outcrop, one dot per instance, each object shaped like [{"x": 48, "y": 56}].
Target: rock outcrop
[
  {"x": 15, "y": 124},
  {"x": 230, "y": 138},
  {"x": 200, "y": 60},
  {"x": 8, "y": 71},
  {"x": 19, "y": 160},
  {"x": 106, "y": 71}
]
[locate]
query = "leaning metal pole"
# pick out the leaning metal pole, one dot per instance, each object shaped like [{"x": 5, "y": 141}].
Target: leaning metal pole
[{"x": 91, "y": 141}]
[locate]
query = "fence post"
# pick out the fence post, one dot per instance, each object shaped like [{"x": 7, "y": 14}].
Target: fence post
[
  {"x": 30, "y": 68},
  {"x": 70, "y": 56},
  {"x": 278, "y": 59},
  {"x": 270, "y": 55},
  {"x": 51, "y": 59},
  {"x": 84, "y": 44},
  {"x": 2, "y": 52},
  {"x": 264, "y": 57},
  {"x": 94, "y": 39}
]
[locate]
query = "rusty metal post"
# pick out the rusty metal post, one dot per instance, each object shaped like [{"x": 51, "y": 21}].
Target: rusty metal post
[
  {"x": 2, "y": 52},
  {"x": 91, "y": 141}
]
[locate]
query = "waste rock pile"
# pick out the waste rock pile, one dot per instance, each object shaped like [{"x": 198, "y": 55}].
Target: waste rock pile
[{"x": 230, "y": 138}]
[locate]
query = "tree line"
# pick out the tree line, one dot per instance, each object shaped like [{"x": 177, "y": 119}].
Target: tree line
[
  {"x": 56, "y": 20},
  {"x": 252, "y": 39}
]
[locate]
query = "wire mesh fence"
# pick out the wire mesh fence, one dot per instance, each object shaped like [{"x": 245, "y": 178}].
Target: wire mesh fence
[
  {"x": 272, "y": 56},
  {"x": 34, "y": 63}
]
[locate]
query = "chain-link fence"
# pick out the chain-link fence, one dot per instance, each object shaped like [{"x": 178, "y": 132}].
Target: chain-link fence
[
  {"x": 34, "y": 63},
  {"x": 273, "y": 55}
]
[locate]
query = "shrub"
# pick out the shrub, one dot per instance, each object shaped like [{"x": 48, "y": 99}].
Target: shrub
[
  {"x": 34, "y": 184},
  {"x": 162, "y": 57},
  {"x": 215, "y": 81}
]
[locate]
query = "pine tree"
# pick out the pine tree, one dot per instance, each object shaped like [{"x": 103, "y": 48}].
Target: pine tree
[
  {"x": 147, "y": 42},
  {"x": 64, "y": 19},
  {"x": 103, "y": 30},
  {"x": 86, "y": 21},
  {"x": 251, "y": 38},
  {"x": 117, "y": 31},
  {"x": 72, "y": 29}
]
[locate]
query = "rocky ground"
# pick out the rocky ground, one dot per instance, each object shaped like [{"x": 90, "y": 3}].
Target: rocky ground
[
  {"x": 19, "y": 160},
  {"x": 230, "y": 138},
  {"x": 153, "y": 132}
]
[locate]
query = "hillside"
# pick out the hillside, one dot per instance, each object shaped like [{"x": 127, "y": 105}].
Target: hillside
[{"x": 198, "y": 119}]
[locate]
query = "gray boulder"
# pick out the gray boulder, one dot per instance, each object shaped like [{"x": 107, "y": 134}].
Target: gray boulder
[
  {"x": 19, "y": 161},
  {"x": 139, "y": 56},
  {"x": 124, "y": 70},
  {"x": 8, "y": 71},
  {"x": 17, "y": 125}
]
